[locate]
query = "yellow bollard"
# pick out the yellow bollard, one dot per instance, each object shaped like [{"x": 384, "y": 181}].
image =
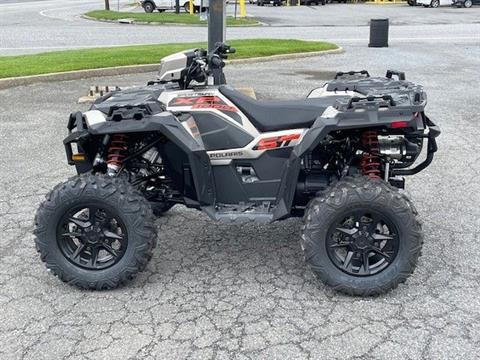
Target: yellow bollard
[
  {"x": 243, "y": 10},
  {"x": 298, "y": 3},
  {"x": 190, "y": 3}
]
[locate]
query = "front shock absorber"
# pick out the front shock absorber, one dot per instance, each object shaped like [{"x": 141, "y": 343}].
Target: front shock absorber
[
  {"x": 116, "y": 153},
  {"x": 370, "y": 162}
]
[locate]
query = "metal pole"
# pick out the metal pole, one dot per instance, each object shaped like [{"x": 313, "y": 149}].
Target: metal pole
[
  {"x": 216, "y": 32},
  {"x": 215, "y": 23}
]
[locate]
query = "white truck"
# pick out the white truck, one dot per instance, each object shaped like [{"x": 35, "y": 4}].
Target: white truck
[{"x": 163, "y": 5}]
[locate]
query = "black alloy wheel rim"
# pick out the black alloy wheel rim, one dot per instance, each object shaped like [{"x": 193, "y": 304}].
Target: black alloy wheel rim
[
  {"x": 362, "y": 242},
  {"x": 91, "y": 237}
]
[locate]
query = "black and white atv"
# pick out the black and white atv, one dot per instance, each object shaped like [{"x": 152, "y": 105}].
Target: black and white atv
[{"x": 338, "y": 158}]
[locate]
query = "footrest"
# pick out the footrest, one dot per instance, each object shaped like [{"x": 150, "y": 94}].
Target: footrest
[{"x": 245, "y": 213}]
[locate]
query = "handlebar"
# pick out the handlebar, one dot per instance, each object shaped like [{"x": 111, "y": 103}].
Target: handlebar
[
  {"x": 208, "y": 63},
  {"x": 215, "y": 61}
]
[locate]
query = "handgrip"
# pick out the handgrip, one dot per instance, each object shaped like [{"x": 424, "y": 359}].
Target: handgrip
[{"x": 215, "y": 61}]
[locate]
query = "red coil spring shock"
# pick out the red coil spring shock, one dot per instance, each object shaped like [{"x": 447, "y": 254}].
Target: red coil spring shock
[
  {"x": 116, "y": 153},
  {"x": 370, "y": 163}
]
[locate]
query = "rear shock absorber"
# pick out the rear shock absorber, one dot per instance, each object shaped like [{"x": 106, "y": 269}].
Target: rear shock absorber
[
  {"x": 116, "y": 153},
  {"x": 370, "y": 162}
]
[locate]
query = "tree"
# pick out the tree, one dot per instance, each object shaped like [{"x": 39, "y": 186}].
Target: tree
[{"x": 107, "y": 4}]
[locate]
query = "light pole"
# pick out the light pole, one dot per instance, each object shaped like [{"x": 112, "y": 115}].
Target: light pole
[
  {"x": 216, "y": 32},
  {"x": 216, "y": 23}
]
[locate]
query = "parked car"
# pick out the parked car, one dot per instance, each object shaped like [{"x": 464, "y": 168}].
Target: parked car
[
  {"x": 313, "y": 2},
  {"x": 434, "y": 3},
  {"x": 162, "y": 5},
  {"x": 466, "y": 3},
  {"x": 273, "y": 2}
]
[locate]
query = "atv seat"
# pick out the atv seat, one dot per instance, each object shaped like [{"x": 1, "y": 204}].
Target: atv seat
[{"x": 278, "y": 115}]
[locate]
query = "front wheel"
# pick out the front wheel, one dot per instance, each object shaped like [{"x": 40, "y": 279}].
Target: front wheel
[
  {"x": 468, "y": 4},
  {"x": 95, "y": 232},
  {"x": 435, "y": 3},
  {"x": 362, "y": 237}
]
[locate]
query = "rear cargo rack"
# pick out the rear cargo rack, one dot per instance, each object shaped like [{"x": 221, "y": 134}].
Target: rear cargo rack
[
  {"x": 380, "y": 99},
  {"x": 342, "y": 74}
]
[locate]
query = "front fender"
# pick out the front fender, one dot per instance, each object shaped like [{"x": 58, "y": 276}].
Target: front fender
[{"x": 168, "y": 125}]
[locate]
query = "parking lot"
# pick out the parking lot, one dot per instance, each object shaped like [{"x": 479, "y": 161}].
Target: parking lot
[
  {"x": 243, "y": 292},
  {"x": 53, "y": 25}
]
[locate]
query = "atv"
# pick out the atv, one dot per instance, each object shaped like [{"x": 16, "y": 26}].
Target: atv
[{"x": 338, "y": 158}]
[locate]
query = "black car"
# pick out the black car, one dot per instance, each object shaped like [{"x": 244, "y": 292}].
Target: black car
[{"x": 466, "y": 3}]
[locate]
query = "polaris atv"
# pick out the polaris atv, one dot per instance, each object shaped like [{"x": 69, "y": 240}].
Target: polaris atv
[{"x": 338, "y": 158}]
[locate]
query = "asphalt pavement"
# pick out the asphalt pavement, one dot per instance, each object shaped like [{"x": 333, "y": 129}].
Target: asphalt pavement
[
  {"x": 243, "y": 292},
  {"x": 49, "y": 25}
]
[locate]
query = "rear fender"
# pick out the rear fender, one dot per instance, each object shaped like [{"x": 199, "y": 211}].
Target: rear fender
[{"x": 331, "y": 120}]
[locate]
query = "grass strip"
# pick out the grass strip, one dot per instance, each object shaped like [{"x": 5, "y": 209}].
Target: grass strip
[
  {"x": 70, "y": 60},
  {"x": 165, "y": 18}
]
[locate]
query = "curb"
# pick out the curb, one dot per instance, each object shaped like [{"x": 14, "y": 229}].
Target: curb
[
  {"x": 280, "y": 57},
  {"x": 133, "y": 69},
  {"x": 128, "y": 21}
]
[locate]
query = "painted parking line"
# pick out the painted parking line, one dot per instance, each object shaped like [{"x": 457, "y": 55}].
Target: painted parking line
[{"x": 45, "y": 12}]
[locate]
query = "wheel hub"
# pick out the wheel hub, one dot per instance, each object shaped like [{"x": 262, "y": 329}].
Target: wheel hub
[
  {"x": 93, "y": 236},
  {"x": 362, "y": 240}
]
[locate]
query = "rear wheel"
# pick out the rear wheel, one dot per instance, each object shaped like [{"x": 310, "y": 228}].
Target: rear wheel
[
  {"x": 468, "y": 4},
  {"x": 95, "y": 232},
  {"x": 148, "y": 7},
  {"x": 435, "y": 3},
  {"x": 361, "y": 237}
]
